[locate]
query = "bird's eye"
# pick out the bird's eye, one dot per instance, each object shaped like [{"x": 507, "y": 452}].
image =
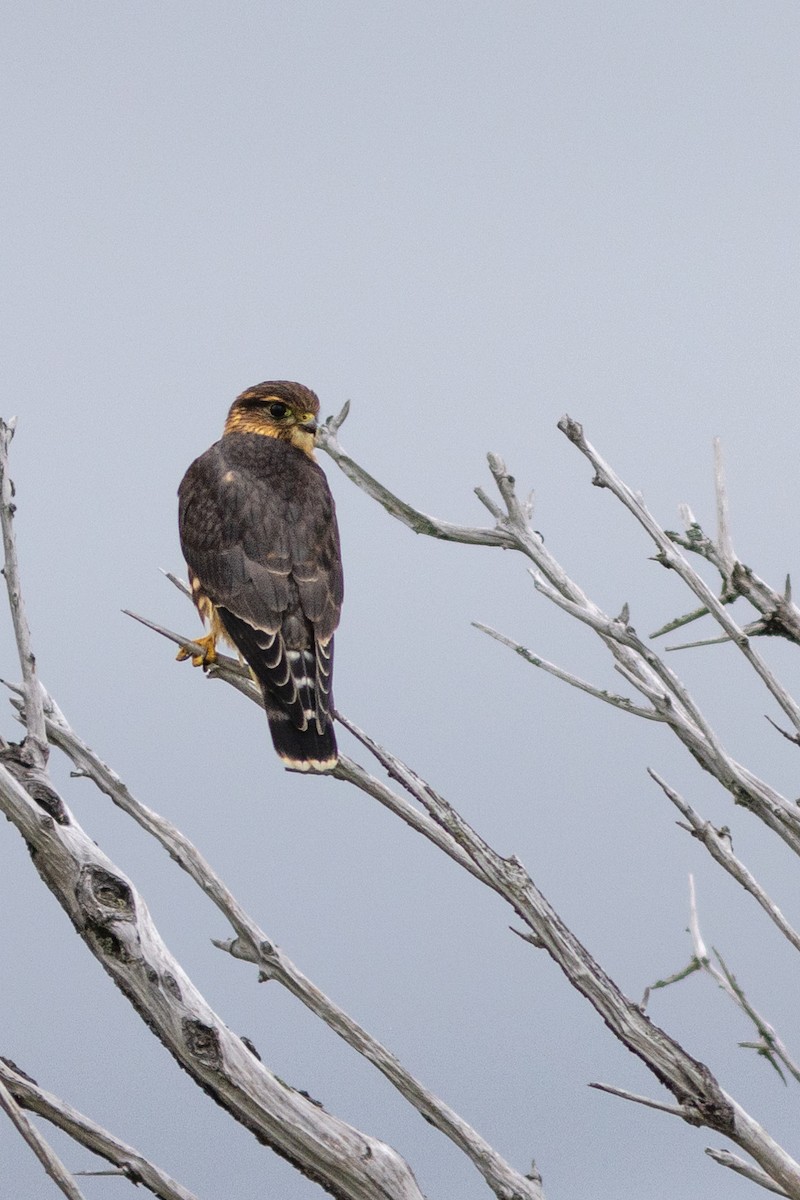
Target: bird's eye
[{"x": 278, "y": 410}]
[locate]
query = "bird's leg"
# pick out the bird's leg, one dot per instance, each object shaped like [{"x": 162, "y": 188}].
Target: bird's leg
[{"x": 208, "y": 655}]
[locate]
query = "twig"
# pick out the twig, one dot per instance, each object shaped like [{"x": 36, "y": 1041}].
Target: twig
[
  {"x": 754, "y": 1174},
  {"x": 417, "y": 521},
  {"x": 87, "y": 1133},
  {"x": 770, "y": 1045},
  {"x": 678, "y": 622},
  {"x": 724, "y": 539},
  {"x": 670, "y": 557},
  {"x": 717, "y": 842},
  {"x": 620, "y": 702},
  {"x": 623, "y": 1094},
  {"x": 35, "y": 737},
  {"x": 40, "y": 1147}
]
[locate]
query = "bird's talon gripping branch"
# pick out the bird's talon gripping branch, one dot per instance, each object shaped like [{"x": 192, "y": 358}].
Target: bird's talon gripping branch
[{"x": 209, "y": 652}]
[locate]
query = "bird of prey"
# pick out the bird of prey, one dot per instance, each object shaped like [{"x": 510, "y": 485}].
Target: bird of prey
[{"x": 258, "y": 532}]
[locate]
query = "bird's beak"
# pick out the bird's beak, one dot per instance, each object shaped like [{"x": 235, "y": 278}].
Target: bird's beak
[{"x": 310, "y": 424}]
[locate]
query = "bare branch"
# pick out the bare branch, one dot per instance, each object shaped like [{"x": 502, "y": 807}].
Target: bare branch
[
  {"x": 620, "y": 702},
  {"x": 351, "y": 772},
  {"x": 87, "y": 1133},
  {"x": 255, "y": 946},
  {"x": 176, "y": 581},
  {"x": 769, "y": 1045},
  {"x": 39, "y": 1145},
  {"x": 417, "y": 521},
  {"x": 678, "y": 622},
  {"x": 724, "y": 540},
  {"x": 113, "y": 920},
  {"x": 754, "y": 1174},
  {"x": 624, "y": 1094},
  {"x": 779, "y": 615},
  {"x": 35, "y": 738},
  {"x": 334, "y": 424},
  {"x": 670, "y": 557},
  {"x": 230, "y": 670},
  {"x": 671, "y": 702},
  {"x": 718, "y": 844}
]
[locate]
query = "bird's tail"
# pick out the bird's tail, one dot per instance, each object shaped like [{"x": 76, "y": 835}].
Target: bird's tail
[
  {"x": 301, "y": 749},
  {"x": 295, "y": 685}
]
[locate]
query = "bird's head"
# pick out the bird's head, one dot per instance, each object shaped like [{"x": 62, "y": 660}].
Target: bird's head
[{"x": 279, "y": 409}]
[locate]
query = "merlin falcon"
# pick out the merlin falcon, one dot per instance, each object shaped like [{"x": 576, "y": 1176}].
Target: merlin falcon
[{"x": 258, "y": 532}]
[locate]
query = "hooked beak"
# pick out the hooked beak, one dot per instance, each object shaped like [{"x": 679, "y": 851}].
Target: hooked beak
[{"x": 310, "y": 424}]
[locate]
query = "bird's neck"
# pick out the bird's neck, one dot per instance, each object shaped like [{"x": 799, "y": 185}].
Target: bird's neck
[{"x": 242, "y": 421}]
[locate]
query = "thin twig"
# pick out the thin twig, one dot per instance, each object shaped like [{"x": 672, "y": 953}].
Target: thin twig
[
  {"x": 670, "y": 557},
  {"x": 747, "y": 1170},
  {"x": 623, "y": 1094},
  {"x": 35, "y": 738},
  {"x": 769, "y": 1046},
  {"x": 417, "y": 521},
  {"x": 717, "y": 842},
  {"x": 180, "y": 584},
  {"x": 39, "y": 1145},
  {"x": 87, "y": 1133},
  {"x": 623, "y": 703},
  {"x": 724, "y": 539}
]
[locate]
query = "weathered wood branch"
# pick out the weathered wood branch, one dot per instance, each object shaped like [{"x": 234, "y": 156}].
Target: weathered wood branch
[
  {"x": 253, "y": 945},
  {"x": 667, "y": 554},
  {"x": 718, "y": 844},
  {"x": 746, "y": 1170},
  {"x": 645, "y": 670},
  {"x": 417, "y": 521},
  {"x": 700, "y": 1098},
  {"x": 780, "y": 616},
  {"x": 87, "y": 1133},
  {"x": 36, "y": 748},
  {"x": 39, "y": 1145},
  {"x": 113, "y": 920}
]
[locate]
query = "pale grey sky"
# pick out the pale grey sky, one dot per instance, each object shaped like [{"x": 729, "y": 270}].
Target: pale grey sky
[{"x": 467, "y": 219}]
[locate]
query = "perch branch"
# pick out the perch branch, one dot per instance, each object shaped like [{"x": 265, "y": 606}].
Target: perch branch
[{"x": 253, "y": 945}]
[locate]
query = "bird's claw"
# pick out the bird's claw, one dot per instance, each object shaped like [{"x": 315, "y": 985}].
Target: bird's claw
[{"x": 208, "y": 654}]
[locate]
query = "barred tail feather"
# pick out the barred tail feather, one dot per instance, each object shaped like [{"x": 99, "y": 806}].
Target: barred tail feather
[
  {"x": 295, "y": 684},
  {"x": 302, "y": 749}
]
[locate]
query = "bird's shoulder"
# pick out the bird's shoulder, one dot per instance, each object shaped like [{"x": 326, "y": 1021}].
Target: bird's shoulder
[{"x": 253, "y": 461}]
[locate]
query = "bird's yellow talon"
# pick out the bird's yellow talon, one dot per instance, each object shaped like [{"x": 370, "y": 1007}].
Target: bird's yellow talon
[{"x": 209, "y": 653}]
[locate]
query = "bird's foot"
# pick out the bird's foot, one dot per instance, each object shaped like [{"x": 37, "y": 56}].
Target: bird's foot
[{"x": 208, "y": 654}]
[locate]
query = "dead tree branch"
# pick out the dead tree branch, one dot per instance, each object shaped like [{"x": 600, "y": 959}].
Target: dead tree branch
[{"x": 89, "y": 1134}]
